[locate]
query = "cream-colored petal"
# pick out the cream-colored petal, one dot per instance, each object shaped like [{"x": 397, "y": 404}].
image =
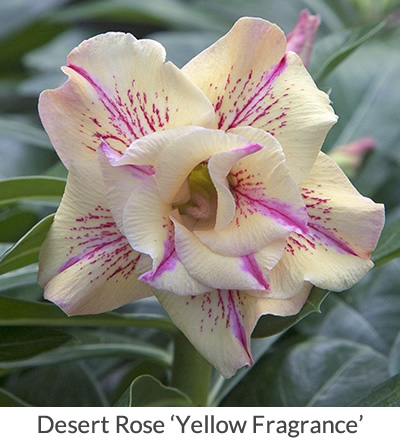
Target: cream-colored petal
[
  {"x": 182, "y": 155},
  {"x": 219, "y": 167},
  {"x": 219, "y": 323},
  {"x": 264, "y": 88},
  {"x": 119, "y": 89},
  {"x": 250, "y": 272},
  {"x": 337, "y": 211},
  {"x": 344, "y": 228},
  {"x": 119, "y": 181},
  {"x": 268, "y": 205},
  {"x": 86, "y": 264},
  {"x": 149, "y": 230}
]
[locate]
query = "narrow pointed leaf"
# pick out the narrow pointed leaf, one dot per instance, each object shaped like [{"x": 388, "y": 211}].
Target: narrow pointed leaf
[
  {"x": 37, "y": 188},
  {"x": 355, "y": 40},
  {"x": 15, "y": 312},
  {"x": 26, "y": 250}
]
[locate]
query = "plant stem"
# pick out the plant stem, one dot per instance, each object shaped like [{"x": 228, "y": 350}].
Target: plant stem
[{"x": 191, "y": 373}]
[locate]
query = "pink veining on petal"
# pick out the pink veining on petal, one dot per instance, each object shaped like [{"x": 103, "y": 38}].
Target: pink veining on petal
[
  {"x": 132, "y": 114},
  {"x": 235, "y": 320},
  {"x": 320, "y": 218},
  {"x": 250, "y": 199},
  {"x": 137, "y": 171},
  {"x": 247, "y": 149},
  {"x": 225, "y": 310},
  {"x": 249, "y": 105},
  {"x": 250, "y": 265},
  {"x": 325, "y": 235},
  {"x": 168, "y": 263},
  {"x": 97, "y": 241}
]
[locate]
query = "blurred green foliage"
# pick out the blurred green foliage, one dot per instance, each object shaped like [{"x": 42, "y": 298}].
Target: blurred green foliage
[{"x": 348, "y": 355}]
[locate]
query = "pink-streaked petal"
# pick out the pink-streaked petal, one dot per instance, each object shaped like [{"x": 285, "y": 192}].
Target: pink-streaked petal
[
  {"x": 149, "y": 230},
  {"x": 250, "y": 272},
  {"x": 264, "y": 88},
  {"x": 350, "y": 222},
  {"x": 119, "y": 89},
  {"x": 219, "y": 323},
  {"x": 268, "y": 205},
  {"x": 119, "y": 181},
  {"x": 86, "y": 264},
  {"x": 301, "y": 38},
  {"x": 344, "y": 228},
  {"x": 219, "y": 166}
]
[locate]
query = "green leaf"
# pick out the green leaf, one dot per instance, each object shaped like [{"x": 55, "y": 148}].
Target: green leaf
[
  {"x": 18, "y": 279},
  {"x": 24, "y": 131},
  {"x": 317, "y": 372},
  {"x": 67, "y": 384},
  {"x": 80, "y": 351},
  {"x": 394, "y": 356},
  {"x": 368, "y": 313},
  {"x": 22, "y": 342},
  {"x": 36, "y": 188},
  {"x": 270, "y": 325},
  {"x": 386, "y": 394},
  {"x": 26, "y": 250},
  {"x": 148, "y": 391},
  {"x": 14, "y": 312},
  {"x": 173, "y": 13},
  {"x": 9, "y": 400},
  {"x": 389, "y": 244},
  {"x": 15, "y": 222},
  {"x": 355, "y": 40}
]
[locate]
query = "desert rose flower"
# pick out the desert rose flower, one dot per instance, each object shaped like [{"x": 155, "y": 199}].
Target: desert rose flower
[{"x": 203, "y": 186}]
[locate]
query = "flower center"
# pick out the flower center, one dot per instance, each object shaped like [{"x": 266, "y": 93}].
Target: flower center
[{"x": 202, "y": 204}]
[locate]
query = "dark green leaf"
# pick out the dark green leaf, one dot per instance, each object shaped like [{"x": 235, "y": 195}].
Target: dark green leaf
[
  {"x": 175, "y": 13},
  {"x": 18, "y": 279},
  {"x": 389, "y": 244},
  {"x": 368, "y": 313},
  {"x": 9, "y": 400},
  {"x": 38, "y": 188},
  {"x": 26, "y": 250},
  {"x": 317, "y": 372},
  {"x": 386, "y": 394},
  {"x": 79, "y": 351},
  {"x": 67, "y": 384},
  {"x": 22, "y": 342},
  {"x": 15, "y": 222},
  {"x": 15, "y": 312},
  {"x": 271, "y": 325},
  {"x": 148, "y": 391},
  {"x": 394, "y": 356}
]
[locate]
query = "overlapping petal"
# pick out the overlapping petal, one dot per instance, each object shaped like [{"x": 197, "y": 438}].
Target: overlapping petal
[
  {"x": 119, "y": 89},
  {"x": 219, "y": 323},
  {"x": 344, "y": 228},
  {"x": 264, "y": 88},
  {"x": 86, "y": 264}
]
